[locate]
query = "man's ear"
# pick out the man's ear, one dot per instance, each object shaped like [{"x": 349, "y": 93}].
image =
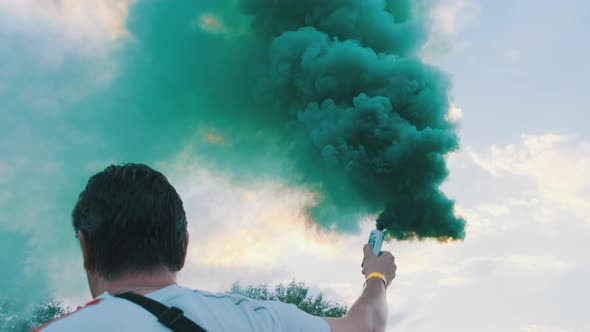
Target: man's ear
[
  {"x": 184, "y": 253},
  {"x": 85, "y": 254}
]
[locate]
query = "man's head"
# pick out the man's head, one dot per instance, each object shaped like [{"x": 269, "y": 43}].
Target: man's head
[{"x": 132, "y": 221}]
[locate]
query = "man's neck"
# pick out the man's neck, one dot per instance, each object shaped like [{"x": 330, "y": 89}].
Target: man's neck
[{"x": 141, "y": 283}]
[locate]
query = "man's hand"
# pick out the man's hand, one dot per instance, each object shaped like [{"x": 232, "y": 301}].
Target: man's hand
[
  {"x": 369, "y": 312},
  {"x": 384, "y": 263}
]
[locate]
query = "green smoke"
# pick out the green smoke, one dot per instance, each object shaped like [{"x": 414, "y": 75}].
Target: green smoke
[
  {"x": 326, "y": 94},
  {"x": 329, "y": 94}
]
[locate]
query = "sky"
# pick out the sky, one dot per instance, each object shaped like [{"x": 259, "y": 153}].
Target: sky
[{"x": 521, "y": 178}]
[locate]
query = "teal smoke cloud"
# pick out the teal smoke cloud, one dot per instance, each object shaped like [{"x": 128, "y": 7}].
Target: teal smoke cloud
[
  {"x": 330, "y": 95},
  {"x": 339, "y": 85},
  {"x": 327, "y": 94}
]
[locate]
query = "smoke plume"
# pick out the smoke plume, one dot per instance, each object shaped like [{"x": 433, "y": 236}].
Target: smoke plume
[
  {"x": 330, "y": 95},
  {"x": 334, "y": 89},
  {"x": 327, "y": 94}
]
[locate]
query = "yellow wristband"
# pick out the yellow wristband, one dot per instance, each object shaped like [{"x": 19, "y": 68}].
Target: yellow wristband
[{"x": 376, "y": 275}]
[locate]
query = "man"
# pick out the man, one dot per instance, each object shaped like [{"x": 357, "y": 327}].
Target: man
[{"x": 132, "y": 230}]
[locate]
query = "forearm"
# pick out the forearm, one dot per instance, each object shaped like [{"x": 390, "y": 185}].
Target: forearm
[
  {"x": 371, "y": 306},
  {"x": 369, "y": 312}
]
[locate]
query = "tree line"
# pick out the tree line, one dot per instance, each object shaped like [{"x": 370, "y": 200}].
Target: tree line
[{"x": 297, "y": 293}]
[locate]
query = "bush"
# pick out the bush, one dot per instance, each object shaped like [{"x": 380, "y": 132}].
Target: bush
[{"x": 294, "y": 292}]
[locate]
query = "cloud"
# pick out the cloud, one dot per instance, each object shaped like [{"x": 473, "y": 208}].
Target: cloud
[
  {"x": 512, "y": 54},
  {"x": 451, "y": 17},
  {"x": 54, "y": 53},
  {"x": 251, "y": 226},
  {"x": 558, "y": 166},
  {"x": 539, "y": 263},
  {"x": 449, "y": 20},
  {"x": 66, "y": 27},
  {"x": 535, "y": 263},
  {"x": 455, "y": 281},
  {"x": 488, "y": 218},
  {"x": 495, "y": 210},
  {"x": 454, "y": 114},
  {"x": 542, "y": 328}
]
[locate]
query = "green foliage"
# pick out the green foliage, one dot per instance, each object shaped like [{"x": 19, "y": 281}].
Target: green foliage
[{"x": 296, "y": 293}]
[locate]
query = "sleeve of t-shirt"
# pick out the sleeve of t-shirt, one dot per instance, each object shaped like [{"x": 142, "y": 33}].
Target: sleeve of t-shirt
[{"x": 294, "y": 319}]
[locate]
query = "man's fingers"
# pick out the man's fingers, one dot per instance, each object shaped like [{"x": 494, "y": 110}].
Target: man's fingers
[
  {"x": 387, "y": 254},
  {"x": 368, "y": 250}
]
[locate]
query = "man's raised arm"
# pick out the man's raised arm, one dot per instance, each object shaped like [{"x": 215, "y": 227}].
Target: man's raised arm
[{"x": 369, "y": 312}]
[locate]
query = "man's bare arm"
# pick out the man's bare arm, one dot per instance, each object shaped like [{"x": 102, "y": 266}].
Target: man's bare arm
[{"x": 369, "y": 312}]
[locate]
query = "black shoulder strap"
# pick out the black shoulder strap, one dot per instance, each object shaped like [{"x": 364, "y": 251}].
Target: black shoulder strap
[{"x": 171, "y": 317}]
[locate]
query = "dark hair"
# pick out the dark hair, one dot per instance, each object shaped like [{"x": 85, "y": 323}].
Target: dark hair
[{"x": 133, "y": 221}]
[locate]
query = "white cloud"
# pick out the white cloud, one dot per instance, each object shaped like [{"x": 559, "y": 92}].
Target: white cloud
[
  {"x": 451, "y": 17},
  {"x": 559, "y": 167},
  {"x": 512, "y": 54},
  {"x": 534, "y": 263},
  {"x": 495, "y": 210},
  {"x": 487, "y": 219},
  {"x": 66, "y": 27},
  {"x": 539, "y": 263},
  {"x": 455, "y": 281},
  {"x": 249, "y": 226},
  {"x": 454, "y": 114},
  {"x": 56, "y": 52},
  {"x": 542, "y": 328},
  {"x": 449, "y": 20}
]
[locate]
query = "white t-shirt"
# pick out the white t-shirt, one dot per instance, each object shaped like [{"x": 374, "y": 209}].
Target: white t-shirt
[{"x": 213, "y": 312}]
